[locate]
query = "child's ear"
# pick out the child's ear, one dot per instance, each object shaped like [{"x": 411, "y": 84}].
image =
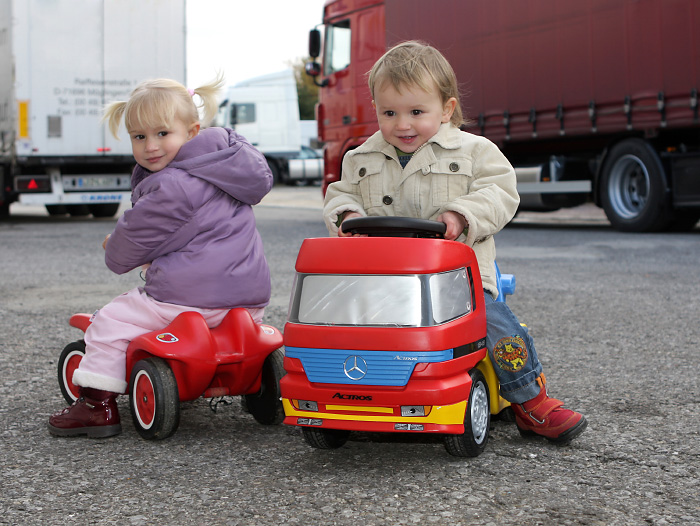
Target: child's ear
[
  {"x": 448, "y": 109},
  {"x": 193, "y": 131}
]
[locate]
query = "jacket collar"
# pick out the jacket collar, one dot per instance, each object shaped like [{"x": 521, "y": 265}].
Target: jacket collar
[{"x": 423, "y": 157}]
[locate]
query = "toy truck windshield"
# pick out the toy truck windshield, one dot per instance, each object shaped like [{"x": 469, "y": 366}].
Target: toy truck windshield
[{"x": 404, "y": 300}]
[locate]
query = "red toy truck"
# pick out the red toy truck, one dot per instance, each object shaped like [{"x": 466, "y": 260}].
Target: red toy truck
[
  {"x": 388, "y": 334},
  {"x": 186, "y": 360}
]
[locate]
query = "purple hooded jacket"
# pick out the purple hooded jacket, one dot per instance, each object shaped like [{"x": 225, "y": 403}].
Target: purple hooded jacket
[{"x": 193, "y": 221}]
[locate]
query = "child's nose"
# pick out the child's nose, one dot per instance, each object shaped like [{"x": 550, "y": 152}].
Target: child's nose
[
  {"x": 151, "y": 144},
  {"x": 403, "y": 123}
]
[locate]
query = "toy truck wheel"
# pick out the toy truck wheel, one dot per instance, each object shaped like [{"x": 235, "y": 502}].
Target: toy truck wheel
[
  {"x": 325, "y": 438},
  {"x": 476, "y": 421},
  {"x": 153, "y": 399},
  {"x": 68, "y": 362},
  {"x": 266, "y": 405}
]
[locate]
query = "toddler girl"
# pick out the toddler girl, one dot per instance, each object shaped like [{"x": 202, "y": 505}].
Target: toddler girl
[{"x": 191, "y": 227}]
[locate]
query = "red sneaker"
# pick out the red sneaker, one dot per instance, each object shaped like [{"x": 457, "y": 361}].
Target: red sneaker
[
  {"x": 546, "y": 417},
  {"x": 94, "y": 414}
]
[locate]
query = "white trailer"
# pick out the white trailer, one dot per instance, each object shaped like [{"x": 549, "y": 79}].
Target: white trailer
[
  {"x": 265, "y": 110},
  {"x": 60, "y": 63}
]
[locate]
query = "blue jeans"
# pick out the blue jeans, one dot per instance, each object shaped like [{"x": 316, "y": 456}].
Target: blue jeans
[{"x": 512, "y": 353}]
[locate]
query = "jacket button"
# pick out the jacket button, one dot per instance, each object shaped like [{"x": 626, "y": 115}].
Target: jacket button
[
  {"x": 363, "y": 172},
  {"x": 387, "y": 200},
  {"x": 454, "y": 167}
]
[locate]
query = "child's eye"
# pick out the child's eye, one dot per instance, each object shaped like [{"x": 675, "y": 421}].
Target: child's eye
[
  {"x": 163, "y": 133},
  {"x": 389, "y": 113},
  {"x": 139, "y": 137},
  {"x": 416, "y": 112}
]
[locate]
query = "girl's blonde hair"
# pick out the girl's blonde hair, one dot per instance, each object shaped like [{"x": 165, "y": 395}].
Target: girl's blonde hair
[
  {"x": 160, "y": 102},
  {"x": 415, "y": 63}
]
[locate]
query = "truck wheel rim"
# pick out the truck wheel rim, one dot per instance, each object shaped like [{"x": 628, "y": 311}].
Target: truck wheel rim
[
  {"x": 144, "y": 399},
  {"x": 70, "y": 364},
  {"x": 629, "y": 186},
  {"x": 479, "y": 413}
]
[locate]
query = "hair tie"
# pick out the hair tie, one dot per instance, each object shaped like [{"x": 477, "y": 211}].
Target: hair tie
[{"x": 191, "y": 92}]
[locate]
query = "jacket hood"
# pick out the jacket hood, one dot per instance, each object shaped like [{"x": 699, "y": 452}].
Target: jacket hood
[
  {"x": 228, "y": 161},
  {"x": 224, "y": 159}
]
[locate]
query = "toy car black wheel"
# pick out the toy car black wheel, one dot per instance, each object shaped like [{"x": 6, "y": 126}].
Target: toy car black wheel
[
  {"x": 266, "y": 405},
  {"x": 68, "y": 362},
  {"x": 325, "y": 438},
  {"x": 476, "y": 421},
  {"x": 153, "y": 399},
  {"x": 390, "y": 226}
]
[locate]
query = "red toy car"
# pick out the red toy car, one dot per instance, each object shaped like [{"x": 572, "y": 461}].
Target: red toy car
[
  {"x": 187, "y": 360},
  {"x": 388, "y": 334}
]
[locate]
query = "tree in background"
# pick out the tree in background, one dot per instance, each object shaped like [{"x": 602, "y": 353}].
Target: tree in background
[{"x": 306, "y": 89}]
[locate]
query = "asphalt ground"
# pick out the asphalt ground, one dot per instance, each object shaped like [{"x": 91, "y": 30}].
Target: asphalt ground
[{"x": 615, "y": 321}]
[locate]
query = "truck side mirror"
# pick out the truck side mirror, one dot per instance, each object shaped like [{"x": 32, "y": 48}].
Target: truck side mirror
[
  {"x": 313, "y": 69},
  {"x": 314, "y": 43}
]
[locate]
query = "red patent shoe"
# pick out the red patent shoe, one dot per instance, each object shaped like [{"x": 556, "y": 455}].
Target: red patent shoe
[
  {"x": 544, "y": 416},
  {"x": 94, "y": 414}
]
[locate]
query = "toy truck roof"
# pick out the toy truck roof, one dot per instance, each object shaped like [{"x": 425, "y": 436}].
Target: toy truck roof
[{"x": 382, "y": 255}]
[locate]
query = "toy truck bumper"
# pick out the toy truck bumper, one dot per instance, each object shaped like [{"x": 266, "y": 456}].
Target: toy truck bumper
[{"x": 434, "y": 400}]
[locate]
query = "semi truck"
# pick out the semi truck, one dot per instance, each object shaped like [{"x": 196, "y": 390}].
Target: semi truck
[
  {"x": 265, "y": 110},
  {"x": 60, "y": 63},
  {"x": 593, "y": 100}
]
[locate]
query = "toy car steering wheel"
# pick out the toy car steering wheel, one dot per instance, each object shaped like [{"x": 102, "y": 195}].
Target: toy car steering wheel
[{"x": 390, "y": 226}]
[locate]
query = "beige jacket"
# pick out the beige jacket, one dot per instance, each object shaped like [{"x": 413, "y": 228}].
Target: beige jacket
[{"x": 454, "y": 171}]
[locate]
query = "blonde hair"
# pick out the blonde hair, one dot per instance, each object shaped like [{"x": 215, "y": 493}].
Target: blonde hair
[
  {"x": 415, "y": 63},
  {"x": 160, "y": 102}
]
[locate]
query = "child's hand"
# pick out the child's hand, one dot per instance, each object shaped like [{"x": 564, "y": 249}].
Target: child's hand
[
  {"x": 104, "y": 243},
  {"x": 348, "y": 215},
  {"x": 455, "y": 223}
]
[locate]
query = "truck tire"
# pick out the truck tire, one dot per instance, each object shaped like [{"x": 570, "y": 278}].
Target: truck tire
[
  {"x": 325, "y": 438},
  {"x": 56, "y": 210},
  {"x": 78, "y": 210},
  {"x": 104, "y": 210},
  {"x": 633, "y": 187},
  {"x": 276, "y": 172}
]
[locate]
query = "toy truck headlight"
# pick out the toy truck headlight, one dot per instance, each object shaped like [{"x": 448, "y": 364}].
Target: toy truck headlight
[
  {"x": 308, "y": 405},
  {"x": 412, "y": 410}
]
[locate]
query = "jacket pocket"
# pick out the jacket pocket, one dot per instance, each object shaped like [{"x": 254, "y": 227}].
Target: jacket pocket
[
  {"x": 451, "y": 180},
  {"x": 368, "y": 177}
]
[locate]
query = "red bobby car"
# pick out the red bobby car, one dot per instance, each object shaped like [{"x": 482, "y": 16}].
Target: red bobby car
[
  {"x": 388, "y": 334},
  {"x": 186, "y": 360}
]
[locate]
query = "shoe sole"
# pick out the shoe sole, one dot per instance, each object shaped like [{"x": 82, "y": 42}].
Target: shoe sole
[
  {"x": 91, "y": 432},
  {"x": 565, "y": 438}
]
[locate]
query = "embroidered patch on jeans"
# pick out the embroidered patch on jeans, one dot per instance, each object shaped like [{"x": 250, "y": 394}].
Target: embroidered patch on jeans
[{"x": 510, "y": 353}]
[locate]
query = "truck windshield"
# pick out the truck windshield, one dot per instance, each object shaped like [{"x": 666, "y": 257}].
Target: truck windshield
[
  {"x": 414, "y": 300},
  {"x": 337, "y": 47}
]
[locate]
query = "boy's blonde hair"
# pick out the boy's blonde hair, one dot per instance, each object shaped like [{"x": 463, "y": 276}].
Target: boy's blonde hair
[
  {"x": 160, "y": 102},
  {"x": 415, "y": 63}
]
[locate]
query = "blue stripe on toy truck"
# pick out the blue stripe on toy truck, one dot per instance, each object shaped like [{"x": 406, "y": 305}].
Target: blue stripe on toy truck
[{"x": 344, "y": 366}]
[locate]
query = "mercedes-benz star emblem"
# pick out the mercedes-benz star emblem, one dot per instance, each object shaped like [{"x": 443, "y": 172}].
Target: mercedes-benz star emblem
[{"x": 355, "y": 367}]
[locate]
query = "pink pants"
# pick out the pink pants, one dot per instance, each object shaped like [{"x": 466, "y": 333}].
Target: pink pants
[{"x": 114, "y": 326}]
